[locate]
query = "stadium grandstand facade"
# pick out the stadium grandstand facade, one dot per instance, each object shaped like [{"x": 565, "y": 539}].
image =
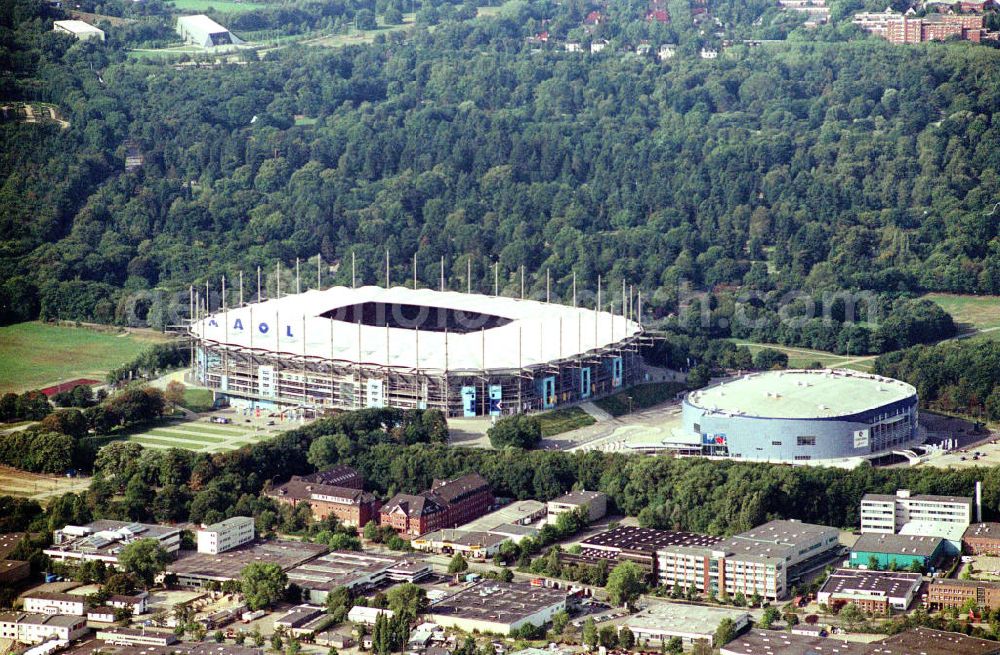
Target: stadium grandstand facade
[{"x": 465, "y": 354}]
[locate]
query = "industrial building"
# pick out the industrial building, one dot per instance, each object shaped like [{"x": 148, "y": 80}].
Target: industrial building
[
  {"x": 634, "y": 544},
  {"x": 799, "y": 416},
  {"x": 926, "y": 641},
  {"x": 982, "y": 539},
  {"x": 226, "y": 535},
  {"x": 303, "y": 620},
  {"x": 29, "y": 628},
  {"x": 103, "y": 540},
  {"x": 133, "y": 637},
  {"x": 78, "y": 30},
  {"x": 872, "y": 591},
  {"x": 464, "y": 354},
  {"x": 354, "y": 571},
  {"x": 774, "y": 642},
  {"x": 594, "y": 502},
  {"x": 521, "y": 513},
  {"x": 899, "y": 551},
  {"x": 195, "y": 569},
  {"x": 50, "y": 602},
  {"x": 766, "y": 560},
  {"x": 497, "y": 607},
  {"x": 202, "y": 31},
  {"x": 947, "y": 592},
  {"x": 469, "y": 544},
  {"x": 660, "y": 621},
  {"x": 447, "y": 504},
  {"x": 12, "y": 570}
]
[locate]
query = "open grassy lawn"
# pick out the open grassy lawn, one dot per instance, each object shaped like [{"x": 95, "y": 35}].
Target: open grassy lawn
[
  {"x": 222, "y": 6},
  {"x": 563, "y": 420},
  {"x": 639, "y": 397},
  {"x": 803, "y": 357},
  {"x": 198, "y": 400},
  {"x": 199, "y": 435},
  {"x": 34, "y": 355},
  {"x": 970, "y": 312},
  {"x": 361, "y": 36},
  {"x": 40, "y": 486}
]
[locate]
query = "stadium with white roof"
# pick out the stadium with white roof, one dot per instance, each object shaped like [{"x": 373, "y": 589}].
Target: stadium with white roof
[
  {"x": 465, "y": 354},
  {"x": 800, "y": 416}
]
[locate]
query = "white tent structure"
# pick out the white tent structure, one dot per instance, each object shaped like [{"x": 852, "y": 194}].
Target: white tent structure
[
  {"x": 202, "y": 31},
  {"x": 78, "y": 29}
]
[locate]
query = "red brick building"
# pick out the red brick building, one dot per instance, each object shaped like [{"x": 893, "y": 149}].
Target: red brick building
[
  {"x": 338, "y": 476},
  {"x": 447, "y": 504},
  {"x": 982, "y": 539},
  {"x": 351, "y": 505},
  {"x": 934, "y": 27}
]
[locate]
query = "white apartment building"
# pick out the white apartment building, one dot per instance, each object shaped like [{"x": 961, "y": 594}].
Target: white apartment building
[
  {"x": 226, "y": 535},
  {"x": 46, "y": 602},
  {"x": 30, "y": 629},
  {"x": 887, "y": 514},
  {"x": 754, "y": 562}
]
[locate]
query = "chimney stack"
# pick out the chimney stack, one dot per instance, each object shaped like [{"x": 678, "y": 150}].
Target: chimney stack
[{"x": 979, "y": 501}]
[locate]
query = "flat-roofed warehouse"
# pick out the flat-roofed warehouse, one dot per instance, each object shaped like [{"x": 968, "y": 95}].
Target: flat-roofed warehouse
[
  {"x": 78, "y": 30},
  {"x": 194, "y": 569},
  {"x": 354, "y": 570},
  {"x": 933, "y": 642},
  {"x": 773, "y": 642},
  {"x": 465, "y": 354},
  {"x": 497, "y": 607},
  {"x": 872, "y": 591},
  {"x": 202, "y": 31},
  {"x": 801, "y": 416},
  {"x": 661, "y": 621}
]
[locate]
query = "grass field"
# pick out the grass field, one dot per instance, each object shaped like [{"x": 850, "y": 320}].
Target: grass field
[
  {"x": 199, "y": 435},
  {"x": 970, "y": 312},
  {"x": 563, "y": 420},
  {"x": 222, "y": 6},
  {"x": 803, "y": 357},
  {"x": 34, "y": 355},
  {"x": 198, "y": 400},
  {"x": 34, "y": 485}
]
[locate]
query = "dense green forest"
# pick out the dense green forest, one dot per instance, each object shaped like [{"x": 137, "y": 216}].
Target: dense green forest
[
  {"x": 810, "y": 166},
  {"x": 403, "y": 451}
]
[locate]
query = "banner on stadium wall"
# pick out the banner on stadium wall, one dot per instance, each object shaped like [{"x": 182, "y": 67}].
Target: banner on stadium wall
[
  {"x": 548, "y": 392},
  {"x": 496, "y": 399},
  {"x": 374, "y": 395},
  {"x": 862, "y": 438},
  {"x": 713, "y": 439},
  {"x": 468, "y": 401}
]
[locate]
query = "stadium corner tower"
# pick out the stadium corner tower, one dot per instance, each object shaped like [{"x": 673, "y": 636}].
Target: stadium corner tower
[{"x": 465, "y": 354}]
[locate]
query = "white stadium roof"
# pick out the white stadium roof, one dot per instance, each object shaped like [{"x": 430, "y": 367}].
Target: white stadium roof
[
  {"x": 801, "y": 394},
  {"x": 536, "y": 333}
]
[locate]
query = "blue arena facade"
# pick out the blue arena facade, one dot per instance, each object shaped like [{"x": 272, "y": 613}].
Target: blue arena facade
[{"x": 801, "y": 416}]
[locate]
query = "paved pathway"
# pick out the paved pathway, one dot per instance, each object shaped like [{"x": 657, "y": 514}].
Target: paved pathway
[{"x": 595, "y": 412}]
